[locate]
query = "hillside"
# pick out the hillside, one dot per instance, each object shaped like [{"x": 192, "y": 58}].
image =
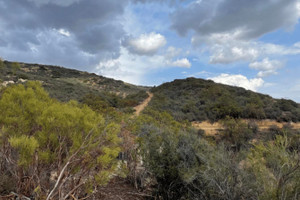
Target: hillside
[
  {"x": 199, "y": 100},
  {"x": 186, "y": 99},
  {"x": 65, "y": 84}
]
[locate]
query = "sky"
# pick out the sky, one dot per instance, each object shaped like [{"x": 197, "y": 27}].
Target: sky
[{"x": 252, "y": 44}]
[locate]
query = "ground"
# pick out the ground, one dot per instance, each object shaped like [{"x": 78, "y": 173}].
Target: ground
[
  {"x": 143, "y": 105},
  {"x": 120, "y": 189}
]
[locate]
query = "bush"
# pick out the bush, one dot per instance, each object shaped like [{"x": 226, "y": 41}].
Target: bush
[{"x": 54, "y": 148}]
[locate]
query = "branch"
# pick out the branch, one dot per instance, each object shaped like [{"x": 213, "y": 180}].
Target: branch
[
  {"x": 67, "y": 164},
  {"x": 58, "y": 180},
  {"x": 75, "y": 188}
]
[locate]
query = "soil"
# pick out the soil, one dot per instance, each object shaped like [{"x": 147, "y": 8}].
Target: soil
[
  {"x": 120, "y": 189},
  {"x": 143, "y": 105}
]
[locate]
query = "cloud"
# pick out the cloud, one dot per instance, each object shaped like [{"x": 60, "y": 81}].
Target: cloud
[
  {"x": 54, "y": 2},
  {"x": 129, "y": 67},
  {"x": 239, "y": 80},
  {"x": 91, "y": 28},
  {"x": 251, "y": 19},
  {"x": 229, "y": 29},
  {"x": 226, "y": 49},
  {"x": 145, "y": 44},
  {"x": 133, "y": 68},
  {"x": 64, "y": 32},
  {"x": 173, "y": 52},
  {"x": 184, "y": 62},
  {"x": 266, "y": 67}
]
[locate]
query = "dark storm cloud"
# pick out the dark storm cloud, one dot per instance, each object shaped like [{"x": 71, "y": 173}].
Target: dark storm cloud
[
  {"x": 93, "y": 26},
  {"x": 252, "y": 18}
]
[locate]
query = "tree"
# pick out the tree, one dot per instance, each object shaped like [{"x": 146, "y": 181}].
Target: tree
[{"x": 54, "y": 149}]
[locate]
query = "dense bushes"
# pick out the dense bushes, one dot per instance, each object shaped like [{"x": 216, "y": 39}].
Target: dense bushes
[
  {"x": 106, "y": 100},
  {"x": 186, "y": 166},
  {"x": 53, "y": 149},
  {"x": 198, "y": 100}
]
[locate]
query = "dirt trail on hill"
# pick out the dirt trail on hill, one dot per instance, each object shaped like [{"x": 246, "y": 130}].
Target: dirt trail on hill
[
  {"x": 143, "y": 105},
  {"x": 213, "y": 129}
]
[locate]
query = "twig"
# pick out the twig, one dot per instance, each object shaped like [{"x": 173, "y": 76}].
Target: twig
[
  {"x": 22, "y": 196},
  {"x": 75, "y": 188},
  {"x": 7, "y": 196},
  {"x": 73, "y": 197},
  {"x": 58, "y": 180},
  {"x": 67, "y": 164},
  {"x": 140, "y": 194},
  {"x": 119, "y": 197}
]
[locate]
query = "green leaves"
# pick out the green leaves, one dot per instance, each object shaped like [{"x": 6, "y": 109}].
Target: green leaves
[
  {"x": 26, "y": 147},
  {"x": 47, "y": 135}
]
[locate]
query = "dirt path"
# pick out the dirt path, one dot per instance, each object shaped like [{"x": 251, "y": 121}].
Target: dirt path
[{"x": 143, "y": 105}]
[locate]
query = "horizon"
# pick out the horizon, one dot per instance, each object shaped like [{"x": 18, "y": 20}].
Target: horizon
[{"x": 254, "y": 45}]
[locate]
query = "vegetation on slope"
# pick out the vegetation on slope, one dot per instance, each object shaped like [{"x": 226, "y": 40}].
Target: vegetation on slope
[
  {"x": 51, "y": 149},
  {"x": 68, "y": 84},
  {"x": 198, "y": 100},
  {"x": 186, "y": 165}
]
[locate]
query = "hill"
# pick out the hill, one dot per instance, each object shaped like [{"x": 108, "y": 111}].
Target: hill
[
  {"x": 66, "y": 84},
  {"x": 100, "y": 149},
  {"x": 199, "y": 100},
  {"x": 187, "y": 99}
]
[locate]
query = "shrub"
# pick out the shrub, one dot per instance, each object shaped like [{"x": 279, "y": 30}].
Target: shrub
[{"x": 54, "y": 149}]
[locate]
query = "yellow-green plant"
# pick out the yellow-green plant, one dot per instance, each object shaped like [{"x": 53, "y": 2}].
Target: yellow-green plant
[
  {"x": 58, "y": 149},
  {"x": 276, "y": 169}
]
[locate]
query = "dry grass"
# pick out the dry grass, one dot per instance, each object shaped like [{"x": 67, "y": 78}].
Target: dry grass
[{"x": 212, "y": 129}]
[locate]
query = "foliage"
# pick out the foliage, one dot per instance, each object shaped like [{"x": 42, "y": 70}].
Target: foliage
[
  {"x": 106, "y": 102},
  {"x": 198, "y": 100},
  {"x": 186, "y": 166},
  {"x": 236, "y": 132},
  {"x": 43, "y": 143},
  {"x": 66, "y": 84},
  {"x": 276, "y": 169},
  {"x": 15, "y": 67},
  {"x": 1, "y": 64}
]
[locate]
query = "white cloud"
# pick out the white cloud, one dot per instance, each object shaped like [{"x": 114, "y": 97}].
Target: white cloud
[
  {"x": 64, "y": 32},
  {"x": 173, "y": 52},
  {"x": 228, "y": 30},
  {"x": 146, "y": 44},
  {"x": 184, "y": 62},
  {"x": 239, "y": 80},
  {"x": 225, "y": 48},
  {"x": 266, "y": 67},
  {"x": 130, "y": 68},
  {"x": 133, "y": 68}
]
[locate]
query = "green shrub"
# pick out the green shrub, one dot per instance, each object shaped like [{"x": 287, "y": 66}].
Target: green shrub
[{"x": 47, "y": 137}]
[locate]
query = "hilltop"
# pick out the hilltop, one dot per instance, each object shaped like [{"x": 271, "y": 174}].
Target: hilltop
[{"x": 195, "y": 99}]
